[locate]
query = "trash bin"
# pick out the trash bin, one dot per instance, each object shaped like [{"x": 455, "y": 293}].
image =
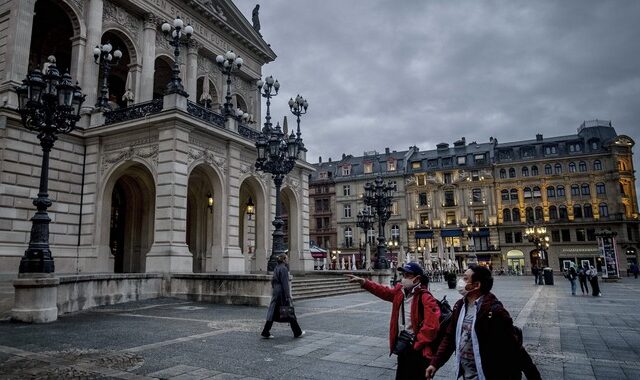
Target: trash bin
[{"x": 548, "y": 276}]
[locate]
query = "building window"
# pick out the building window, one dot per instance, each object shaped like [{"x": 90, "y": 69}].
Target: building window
[
  {"x": 587, "y": 211},
  {"x": 508, "y": 237},
  {"x": 575, "y": 147},
  {"x": 515, "y": 214},
  {"x": 551, "y": 192},
  {"x": 585, "y": 189},
  {"x": 475, "y": 176},
  {"x": 447, "y": 178},
  {"x": 600, "y": 189},
  {"x": 506, "y": 215},
  {"x": 577, "y": 211},
  {"x": 555, "y": 236},
  {"x": 539, "y": 213},
  {"x": 432, "y": 163},
  {"x": 558, "y": 168},
  {"x": 581, "y": 234},
  {"x": 525, "y": 171},
  {"x": 547, "y": 169},
  {"x": 447, "y": 161},
  {"x": 348, "y": 237},
  {"x": 395, "y": 232},
  {"x": 394, "y": 208},
  {"x": 591, "y": 234},
  {"x": 550, "y": 150},
  {"x": 528, "y": 214},
  {"x": 553, "y": 213},
  {"x": 371, "y": 236},
  {"x": 534, "y": 170},
  {"x": 422, "y": 199},
  {"x": 476, "y": 195},
  {"x": 346, "y": 170},
  {"x": 604, "y": 210},
  {"x": 323, "y": 175},
  {"x": 503, "y": 173},
  {"x": 575, "y": 190},
  {"x": 449, "y": 199},
  {"x": 527, "y": 193},
  {"x": 347, "y": 211},
  {"x": 451, "y": 217},
  {"x": 512, "y": 173},
  {"x": 562, "y": 212},
  {"x": 416, "y": 165},
  {"x": 391, "y": 165},
  {"x": 597, "y": 165},
  {"x": 517, "y": 237},
  {"x": 462, "y": 160},
  {"x": 424, "y": 219},
  {"x": 479, "y": 159},
  {"x": 572, "y": 167},
  {"x": 504, "y": 195},
  {"x": 560, "y": 191},
  {"x": 536, "y": 192},
  {"x": 566, "y": 234},
  {"x": 346, "y": 190},
  {"x": 582, "y": 166},
  {"x": 368, "y": 167},
  {"x": 514, "y": 194}
]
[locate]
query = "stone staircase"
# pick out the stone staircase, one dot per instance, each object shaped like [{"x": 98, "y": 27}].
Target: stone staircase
[{"x": 322, "y": 286}]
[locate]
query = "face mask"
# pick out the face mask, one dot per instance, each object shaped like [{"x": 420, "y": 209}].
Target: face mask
[
  {"x": 461, "y": 286},
  {"x": 407, "y": 283}
]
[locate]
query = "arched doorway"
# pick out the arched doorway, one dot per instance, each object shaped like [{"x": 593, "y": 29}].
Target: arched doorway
[
  {"x": 215, "y": 103},
  {"x": 51, "y": 35},
  {"x": 131, "y": 202},
  {"x": 118, "y": 75},
  {"x": 252, "y": 237},
  {"x": 515, "y": 262},
  {"x": 292, "y": 228},
  {"x": 161, "y": 76},
  {"x": 239, "y": 102}
]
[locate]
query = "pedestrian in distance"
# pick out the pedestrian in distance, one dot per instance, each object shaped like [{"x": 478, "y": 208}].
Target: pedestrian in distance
[
  {"x": 572, "y": 276},
  {"x": 635, "y": 270},
  {"x": 280, "y": 296},
  {"x": 412, "y": 303},
  {"x": 535, "y": 272},
  {"x": 592, "y": 275},
  {"x": 482, "y": 336},
  {"x": 582, "y": 278}
]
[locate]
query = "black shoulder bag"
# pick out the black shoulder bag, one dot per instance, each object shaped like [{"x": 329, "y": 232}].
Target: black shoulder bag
[{"x": 406, "y": 339}]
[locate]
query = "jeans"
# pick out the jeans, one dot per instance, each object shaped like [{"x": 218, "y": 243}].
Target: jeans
[{"x": 573, "y": 287}]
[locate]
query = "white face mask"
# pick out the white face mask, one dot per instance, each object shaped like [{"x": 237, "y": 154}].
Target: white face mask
[
  {"x": 461, "y": 287},
  {"x": 407, "y": 283}
]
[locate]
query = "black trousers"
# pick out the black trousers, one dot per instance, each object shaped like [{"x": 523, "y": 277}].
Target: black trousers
[
  {"x": 583, "y": 286},
  {"x": 411, "y": 365},
  {"x": 295, "y": 327}
]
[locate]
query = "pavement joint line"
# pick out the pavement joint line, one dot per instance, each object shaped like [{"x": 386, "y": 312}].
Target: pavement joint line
[
  {"x": 141, "y": 308},
  {"x": 171, "y": 318},
  {"x": 169, "y": 342},
  {"x": 338, "y": 309},
  {"x": 526, "y": 311}
]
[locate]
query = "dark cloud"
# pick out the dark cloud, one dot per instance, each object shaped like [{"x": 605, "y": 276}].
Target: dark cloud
[{"x": 381, "y": 73}]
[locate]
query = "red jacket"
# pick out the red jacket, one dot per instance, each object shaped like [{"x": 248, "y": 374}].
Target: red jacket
[{"x": 431, "y": 312}]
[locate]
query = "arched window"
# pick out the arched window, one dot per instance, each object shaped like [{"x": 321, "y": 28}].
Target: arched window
[
  {"x": 547, "y": 169},
  {"x": 528, "y": 212},
  {"x": 604, "y": 210},
  {"x": 525, "y": 171},
  {"x": 551, "y": 192},
  {"x": 597, "y": 165},
  {"x": 506, "y": 215},
  {"x": 582, "y": 166},
  {"x": 536, "y": 192},
  {"x": 527, "y": 193},
  {"x": 600, "y": 188},
  {"x": 515, "y": 213},
  {"x": 553, "y": 213},
  {"x": 577, "y": 211},
  {"x": 534, "y": 170},
  {"x": 562, "y": 212},
  {"x": 504, "y": 194},
  {"x": 539, "y": 213},
  {"x": 514, "y": 194},
  {"x": 348, "y": 237},
  {"x": 587, "y": 211},
  {"x": 395, "y": 232},
  {"x": 558, "y": 168},
  {"x": 572, "y": 167},
  {"x": 575, "y": 190},
  {"x": 503, "y": 173},
  {"x": 512, "y": 173},
  {"x": 585, "y": 189},
  {"x": 371, "y": 236},
  {"x": 560, "y": 191}
]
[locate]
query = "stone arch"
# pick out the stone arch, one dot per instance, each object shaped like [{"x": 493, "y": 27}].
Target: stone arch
[
  {"x": 213, "y": 91},
  {"x": 293, "y": 234},
  {"x": 162, "y": 74},
  {"x": 239, "y": 102},
  {"x": 254, "y": 232},
  {"x": 126, "y": 218},
  {"x": 119, "y": 74}
]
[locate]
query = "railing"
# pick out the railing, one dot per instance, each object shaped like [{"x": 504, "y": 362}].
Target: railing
[
  {"x": 133, "y": 112},
  {"x": 204, "y": 114},
  {"x": 247, "y": 132}
]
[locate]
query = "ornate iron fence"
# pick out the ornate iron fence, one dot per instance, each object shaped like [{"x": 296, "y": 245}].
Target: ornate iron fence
[
  {"x": 247, "y": 132},
  {"x": 133, "y": 112},
  {"x": 204, "y": 114}
]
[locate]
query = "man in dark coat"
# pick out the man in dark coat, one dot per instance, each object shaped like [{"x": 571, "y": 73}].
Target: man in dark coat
[
  {"x": 482, "y": 335},
  {"x": 280, "y": 296}
]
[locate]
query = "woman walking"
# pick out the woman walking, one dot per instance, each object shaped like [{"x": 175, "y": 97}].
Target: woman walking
[
  {"x": 592, "y": 274},
  {"x": 582, "y": 277},
  {"x": 280, "y": 296}
]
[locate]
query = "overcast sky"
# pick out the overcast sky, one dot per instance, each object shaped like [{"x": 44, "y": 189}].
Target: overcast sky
[{"x": 389, "y": 73}]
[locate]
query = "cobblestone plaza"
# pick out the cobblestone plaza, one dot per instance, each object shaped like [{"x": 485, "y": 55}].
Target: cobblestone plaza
[{"x": 580, "y": 337}]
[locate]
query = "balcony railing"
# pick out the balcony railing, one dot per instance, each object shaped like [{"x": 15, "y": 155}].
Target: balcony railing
[
  {"x": 248, "y": 133},
  {"x": 204, "y": 114},
  {"x": 136, "y": 111}
]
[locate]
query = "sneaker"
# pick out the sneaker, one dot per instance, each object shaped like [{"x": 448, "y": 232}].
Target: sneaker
[
  {"x": 301, "y": 334},
  {"x": 267, "y": 336}
]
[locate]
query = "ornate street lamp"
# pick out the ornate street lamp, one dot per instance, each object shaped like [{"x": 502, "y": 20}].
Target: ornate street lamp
[
  {"x": 365, "y": 220},
  {"x": 49, "y": 104},
  {"x": 539, "y": 237},
  {"x": 298, "y": 108},
  {"x": 277, "y": 155},
  {"x": 228, "y": 64},
  {"x": 105, "y": 59},
  {"x": 378, "y": 195},
  {"x": 472, "y": 230},
  {"x": 268, "y": 89},
  {"x": 251, "y": 208},
  {"x": 175, "y": 38}
]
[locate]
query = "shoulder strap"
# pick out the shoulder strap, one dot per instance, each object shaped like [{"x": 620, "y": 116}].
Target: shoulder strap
[{"x": 404, "y": 324}]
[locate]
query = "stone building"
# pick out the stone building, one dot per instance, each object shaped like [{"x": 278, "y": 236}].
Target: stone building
[
  {"x": 322, "y": 213},
  {"x": 131, "y": 186}
]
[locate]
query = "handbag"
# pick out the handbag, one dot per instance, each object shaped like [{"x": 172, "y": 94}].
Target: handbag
[
  {"x": 286, "y": 313},
  {"x": 404, "y": 340}
]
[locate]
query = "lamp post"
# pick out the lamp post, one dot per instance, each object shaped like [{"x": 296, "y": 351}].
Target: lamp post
[
  {"x": 49, "y": 104},
  {"x": 365, "y": 220},
  {"x": 298, "y": 108},
  {"x": 378, "y": 195},
  {"x": 277, "y": 155},
  {"x": 210, "y": 202},
  {"x": 251, "y": 208},
  {"x": 175, "y": 38},
  {"x": 104, "y": 59},
  {"x": 539, "y": 237},
  {"x": 229, "y": 63},
  {"x": 268, "y": 89},
  {"x": 472, "y": 229}
]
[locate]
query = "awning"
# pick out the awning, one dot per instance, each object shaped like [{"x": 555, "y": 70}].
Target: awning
[
  {"x": 451, "y": 233},
  {"x": 426, "y": 234},
  {"x": 317, "y": 252}
]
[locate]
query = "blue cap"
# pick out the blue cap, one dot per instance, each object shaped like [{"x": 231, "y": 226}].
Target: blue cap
[{"x": 412, "y": 267}]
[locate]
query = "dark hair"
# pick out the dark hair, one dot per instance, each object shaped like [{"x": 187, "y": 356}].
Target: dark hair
[
  {"x": 282, "y": 257},
  {"x": 483, "y": 276},
  {"x": 424, "y": 279}
]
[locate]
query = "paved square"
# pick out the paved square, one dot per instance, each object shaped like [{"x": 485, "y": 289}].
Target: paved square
[{"x": 580, "y": 337}]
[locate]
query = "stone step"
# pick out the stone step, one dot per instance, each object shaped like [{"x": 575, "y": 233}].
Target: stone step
[
  {"x": 322, "y": 287},
  {"x": 326, "y": 294},
  {"x": 325, "y": 286}
]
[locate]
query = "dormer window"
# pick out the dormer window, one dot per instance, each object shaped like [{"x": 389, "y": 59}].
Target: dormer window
[
  {"x": 462, "y": 160},
  {"x": 527, "y": 151},
  {"x": 575, "y": 147},
  {"x": 416, "y": 165},
  {"x": 368, "y": 167},
  {"x": 346, "y": 170},
  {"x": 550, "y": 149},
  {"x": 391, "y": 165}
]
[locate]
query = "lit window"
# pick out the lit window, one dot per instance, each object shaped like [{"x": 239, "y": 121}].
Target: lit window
[
  {"x": 416, "y": 165},
  {"x": 391, "y": 165},
  {"x": 368, "y": 167},
  {"x": 462, "y": 160}
]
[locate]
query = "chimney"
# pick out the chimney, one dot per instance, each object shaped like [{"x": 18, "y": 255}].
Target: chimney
[
  {"x": 319, "y": 159},
  {"x": 344, "y": 156},
  {"x": 539, "y": 137},
  {"x": 329, "y": 159},
  {"x": 386, "y": 150}
]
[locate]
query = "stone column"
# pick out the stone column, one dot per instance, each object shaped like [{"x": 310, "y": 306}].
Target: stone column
[
  {"x": 148, "y": 59},
  {"x": 232, "y": 258},
  {"x": 169, "y": 253},
  {"x": 17, "y": 48},
  {"x": 94, "y": 34},
  {"x": 307, "y": 260},
  {"x": 78, "y": 49},
  {"x": 192, "y": 71}
]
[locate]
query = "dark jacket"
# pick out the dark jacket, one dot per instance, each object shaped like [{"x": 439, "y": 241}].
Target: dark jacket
[
  {"x": 503, "y": 358},
  {"x": 280, "y": 290},
  {"x": 430, "y": 312}
]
